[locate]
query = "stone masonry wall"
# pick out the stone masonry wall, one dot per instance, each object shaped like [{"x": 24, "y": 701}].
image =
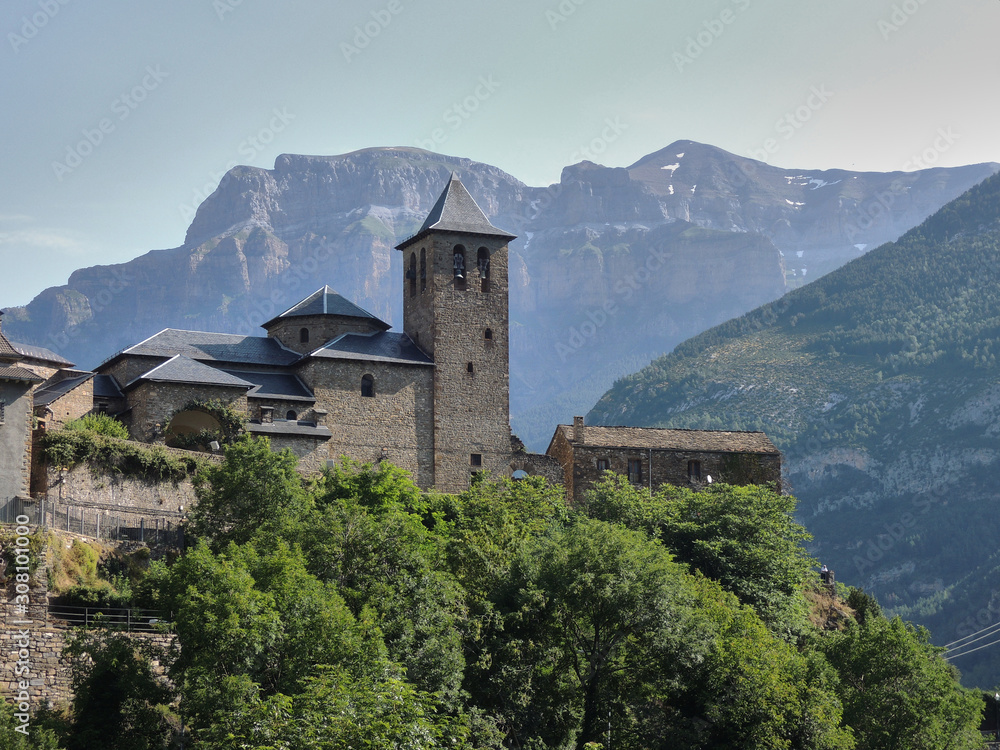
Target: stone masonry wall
[
  {"x": 449, "y": 319},
  {"x": 399, "y": 417},
  {"x": 322, "y": 328},
  {"x": 155, "y": 403},
  {"x": 70, "y": 406},
  {"x": 671, "y": 467},
  {"x": 15, "y": 440}
]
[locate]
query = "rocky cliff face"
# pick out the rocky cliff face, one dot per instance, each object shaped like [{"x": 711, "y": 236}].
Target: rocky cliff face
[{"x": 612, "y": 266}]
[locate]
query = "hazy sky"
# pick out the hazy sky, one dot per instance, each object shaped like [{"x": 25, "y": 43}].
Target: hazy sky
[{"x": 120, "y": 116}]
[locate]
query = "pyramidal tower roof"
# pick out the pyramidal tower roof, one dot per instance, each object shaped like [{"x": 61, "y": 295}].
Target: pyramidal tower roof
[
  {"x": 456, "y": 211},
  {"x": 324, "y": 301}
]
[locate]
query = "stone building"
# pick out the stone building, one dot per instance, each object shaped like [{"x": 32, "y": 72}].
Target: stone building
[
  {"x": 16, "y": 384},
  {"x": 330, "y": 379},
  {"x": 654, "y": 457}
]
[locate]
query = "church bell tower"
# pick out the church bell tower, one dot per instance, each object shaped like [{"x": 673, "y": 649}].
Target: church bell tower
[{"x": 455, "y": 309}]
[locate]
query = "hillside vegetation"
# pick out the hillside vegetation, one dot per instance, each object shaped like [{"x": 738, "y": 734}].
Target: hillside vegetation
[
  {"x": 880, "y": 384},
  {"x": 358, "y": 612}
]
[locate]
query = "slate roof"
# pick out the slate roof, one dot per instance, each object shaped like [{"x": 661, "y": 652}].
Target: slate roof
[
  {"x": 40, "y": 353},
  {"x": 181, "y": 369},
  {"x": 374, "y": 347},
  {"x": 275, "y": 385},
  {"x": 203, "y": 346},
  {"x": 325, "y": 301},
  {"x": 7, "y": 350},
  {"x": 106, "y": 386},
  {"x": 50, "y": 392},
  {"x": 12, "y": 372},
  {"x": 713, "y": 441},
  {"x": 456, "y": 211},
  {"x": 284, "y": 427}
]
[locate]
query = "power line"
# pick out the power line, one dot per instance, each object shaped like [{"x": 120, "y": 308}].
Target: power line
[
  {"x": 966, "y": 653},
  {"x": 988, "y": 627}
]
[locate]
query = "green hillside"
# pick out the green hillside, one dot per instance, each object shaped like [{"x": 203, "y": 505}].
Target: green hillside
[{"x": 880, "y": 384}]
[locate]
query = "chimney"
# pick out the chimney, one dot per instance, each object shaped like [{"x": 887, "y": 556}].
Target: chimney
[
  {"x": 320, "y": 416},
  {"x": 578, "y": 432},
  {"x": 266, "y": 414}
]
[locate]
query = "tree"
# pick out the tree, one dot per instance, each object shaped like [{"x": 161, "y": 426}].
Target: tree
[
  {"x": 898, "y": 691},
  {"x": 253, "y": 492},
  {"x": 118, "y": 703}
]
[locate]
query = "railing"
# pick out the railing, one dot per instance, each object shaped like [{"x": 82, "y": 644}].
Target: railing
[
  {"x": 119, "y": 618},
  {"x": 97, "y": 523}
]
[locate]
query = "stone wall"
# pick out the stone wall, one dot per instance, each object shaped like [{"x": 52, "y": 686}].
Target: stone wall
[
  {"x": 399, "y": 417},
  {"x": 538, "y": 465},
  {"x": 322, "y": 328},
  {"x": 15, "y": 440},
  {"x": 671, "y": 467},
  {"x": 70, "y": 406},
  {"x": 127, "y": 369},
  {"x": 155, "y": 403},
  {"x": 449, "y": 320}
]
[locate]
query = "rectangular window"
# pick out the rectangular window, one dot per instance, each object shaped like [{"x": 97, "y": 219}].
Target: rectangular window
[
  {"x": 603, "y": 464},
  {"x": 476, "y": 459},
  {"x": 3, "y": 409},
  {"x": 635, "y": 470},
  {"x": 694, "y": 471}
]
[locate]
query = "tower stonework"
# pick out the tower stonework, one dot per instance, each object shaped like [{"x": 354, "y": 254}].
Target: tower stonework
[{"x": 455, "y": 308}]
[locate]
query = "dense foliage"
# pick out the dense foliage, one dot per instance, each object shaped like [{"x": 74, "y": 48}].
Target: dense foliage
[
  {"x": 359, "y": 612},
  {"x": 115, "y": 456}
]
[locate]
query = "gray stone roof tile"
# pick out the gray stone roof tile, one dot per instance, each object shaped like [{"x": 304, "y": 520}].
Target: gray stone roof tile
[
  {"x": 7, "y": 350},
  {"x": 181, "y": 369},
  {"x": 325, "y": 301},
  {"x": 55, "y": 389},
  {"x": 456, "y": 211},
  {"x": 41, "y": 354},
  {"x": 283, "y": 427},
  {"x": 666, "y": 439},
  {"x": 275, "y": 385},
  {"x": 203, "y": 346},
  {"x": 20, "y": 374},
  {"x": 374, "y": 347},
  {"x": 105, "y": 386}
]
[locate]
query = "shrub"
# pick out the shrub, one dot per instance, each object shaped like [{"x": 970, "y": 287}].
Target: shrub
[{"x": 102, "y": 424}]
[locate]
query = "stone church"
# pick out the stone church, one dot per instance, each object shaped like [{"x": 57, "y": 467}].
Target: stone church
[{"x": 330, "y": 379}]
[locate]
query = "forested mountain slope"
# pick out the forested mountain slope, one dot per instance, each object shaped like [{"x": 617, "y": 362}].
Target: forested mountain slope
[{"x": 880, "y": 383}]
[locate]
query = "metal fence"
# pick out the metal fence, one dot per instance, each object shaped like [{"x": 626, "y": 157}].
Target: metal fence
[
  {"x": 96, "y": 523},
  {"x": 119, "y": 618}
]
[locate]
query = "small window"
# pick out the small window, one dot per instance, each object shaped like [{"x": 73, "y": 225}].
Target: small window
[
  {"x": 488, "y": 334},
  {"x": 291, "y": 416},
  {"x": 470, "y": 368},
  {"x": 423, "y": 270},
  {"x": 603, "y": 464},
  {"x": 304, "y": 336},
  {"x": 476, "y": 459},
  {"x": 368, "y": 386},
  {"x": 635, "y": 470},
  {"x": 3, "y": 409},
  {"x": 694, "y": 471},
  {"x": 411, "y": 274}
]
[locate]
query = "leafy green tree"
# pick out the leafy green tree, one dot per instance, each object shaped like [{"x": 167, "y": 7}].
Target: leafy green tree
[
  {"x": 37, "y": 736},
  {"x": 746, "y": 538},
  {"x": 118, "y": 702},
  {"x": 254, "y": 492},
  {"x": 898, "y": 691}
]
